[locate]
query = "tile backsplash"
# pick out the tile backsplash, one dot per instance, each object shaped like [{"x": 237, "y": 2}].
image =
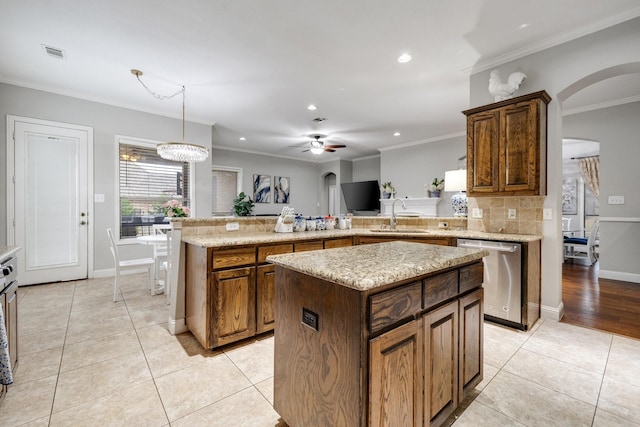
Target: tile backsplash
[{"x": 495, "y": 214}]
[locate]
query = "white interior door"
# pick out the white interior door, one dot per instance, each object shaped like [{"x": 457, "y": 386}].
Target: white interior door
[{"x": 51, "y": 194}]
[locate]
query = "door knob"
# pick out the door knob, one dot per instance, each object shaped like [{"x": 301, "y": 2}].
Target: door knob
[{"x": 83, "y": 223}]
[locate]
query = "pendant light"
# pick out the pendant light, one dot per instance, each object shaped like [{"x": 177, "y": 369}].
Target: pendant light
[{"x": 176, "y": 151}]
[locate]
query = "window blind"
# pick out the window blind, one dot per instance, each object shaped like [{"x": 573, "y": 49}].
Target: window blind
[{"x": 146, "y": 181}]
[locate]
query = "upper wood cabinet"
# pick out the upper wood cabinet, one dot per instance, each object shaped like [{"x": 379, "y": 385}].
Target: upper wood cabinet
[{"x": 506, "y": 147}]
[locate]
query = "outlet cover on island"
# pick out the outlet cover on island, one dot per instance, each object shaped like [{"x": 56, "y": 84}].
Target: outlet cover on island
[
  {"x": 512, "y": 214},
  {"x": 233, "y": 226},
  {"x": 476, "y": 213}
]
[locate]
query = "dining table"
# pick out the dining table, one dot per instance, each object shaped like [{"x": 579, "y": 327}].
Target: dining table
[{"x": 153, "y": 240}]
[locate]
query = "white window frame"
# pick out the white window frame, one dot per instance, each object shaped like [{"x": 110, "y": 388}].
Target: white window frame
[
  {"x": 227, "y": 169},
  {"x": 147, "y": 143}
]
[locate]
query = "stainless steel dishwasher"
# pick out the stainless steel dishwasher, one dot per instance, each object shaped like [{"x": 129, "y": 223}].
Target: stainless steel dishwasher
[{"x": 502, "y": 280}]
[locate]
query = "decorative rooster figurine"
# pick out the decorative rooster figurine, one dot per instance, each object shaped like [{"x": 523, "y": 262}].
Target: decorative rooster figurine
[{"x": 502, "y": 91}]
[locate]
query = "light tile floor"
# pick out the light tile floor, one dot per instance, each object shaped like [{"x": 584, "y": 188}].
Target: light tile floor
[{"x": 85, "y": 360}]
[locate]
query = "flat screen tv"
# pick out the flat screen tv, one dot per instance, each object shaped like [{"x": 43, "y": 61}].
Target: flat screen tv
[{"x": 361, "y": 196}]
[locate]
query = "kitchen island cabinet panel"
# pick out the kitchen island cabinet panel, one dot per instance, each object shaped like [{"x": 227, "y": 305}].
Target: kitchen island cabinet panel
[
  {"x": 395, "y": 381},
  {"x": 471, "y": 336},
  {"x": 398, "y": 304},
  {"x": 441, "y": 363},
  {"x": 317, "y": 363}
]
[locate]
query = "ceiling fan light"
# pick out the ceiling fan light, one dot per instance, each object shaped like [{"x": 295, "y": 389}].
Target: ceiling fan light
[
  {"x": 182, "y": 152},
  {"x": 317, "y": 150}
]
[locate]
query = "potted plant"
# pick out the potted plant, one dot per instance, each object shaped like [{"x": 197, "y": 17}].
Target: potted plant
[
  {"x": 242, "y": 205},
  {"x": 387, "y": 190},
  {"x": 435, "y": 187}
]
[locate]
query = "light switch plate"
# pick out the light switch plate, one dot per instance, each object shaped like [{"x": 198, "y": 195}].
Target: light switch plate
[
  {"x": 616, "y": 200},
  {"x": 512, "y": 214},
  {"x": 98, "y": 198},
  {"x": 476, "y": 213},
  {"x": 233, "y": 226},
  {"x": 546, "y": 213}
]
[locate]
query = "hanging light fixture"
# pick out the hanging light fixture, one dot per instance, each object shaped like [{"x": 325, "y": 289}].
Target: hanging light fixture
[{"x": 176, "y": 151}]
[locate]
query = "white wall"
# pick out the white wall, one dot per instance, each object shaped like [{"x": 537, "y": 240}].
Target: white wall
[
  {"x": 617, "y": 129},
  {"x": 106, "y": 121},
  {"x": 410, "y": 168},
  {"x": 304, "y": 192},
  {"x": 366, "y": 169},
  {"x": 561, "y": 71}
]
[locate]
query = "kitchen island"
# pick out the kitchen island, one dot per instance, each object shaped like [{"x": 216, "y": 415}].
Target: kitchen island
[{"x": 380, "y": 334}]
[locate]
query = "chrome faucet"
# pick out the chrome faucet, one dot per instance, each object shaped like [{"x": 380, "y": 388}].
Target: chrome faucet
[{"x": 392, "y": 225}]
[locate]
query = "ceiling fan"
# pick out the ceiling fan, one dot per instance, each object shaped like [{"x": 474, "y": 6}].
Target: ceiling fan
[{"x": 317, "y": 146}]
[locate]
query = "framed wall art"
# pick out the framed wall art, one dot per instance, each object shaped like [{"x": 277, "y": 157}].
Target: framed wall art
[
  {"x": 262, "y": 188},
  {"x": 281, "y": 187}
]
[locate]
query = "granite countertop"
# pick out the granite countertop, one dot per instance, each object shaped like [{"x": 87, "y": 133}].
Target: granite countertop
[
  {"x": 367, "y": 267},
  {"x": 6, "y": 251},
  {"x": 237, "y": 238}
]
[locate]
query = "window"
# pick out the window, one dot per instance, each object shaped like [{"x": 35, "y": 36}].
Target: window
[
  {"x": 145, "y": 182},
  {"x": 226, "y": 183}
]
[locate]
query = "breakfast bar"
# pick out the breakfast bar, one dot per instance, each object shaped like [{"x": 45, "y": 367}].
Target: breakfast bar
[{"x": 380, "y": 334}]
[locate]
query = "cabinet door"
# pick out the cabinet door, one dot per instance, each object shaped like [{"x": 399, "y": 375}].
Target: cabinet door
[
  {"x": 234, "y": 305},
  {"x": 395, "y": 377},
  {"x": 471, "y": 327},
  {"x": 440, "y": 363},
  {"x": 519, "y": 147},
  {"x": 266, "y": 284},
  {"x": 483, "y": 140}
]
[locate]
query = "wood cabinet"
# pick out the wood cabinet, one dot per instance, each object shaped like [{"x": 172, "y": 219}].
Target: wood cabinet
[
  {"x": 403, "y": 355},
  {"x": 266, "y": 284},
  {"x": 506, "y": 147},
  {"x": 440, "y": 363},
  {"x": 396, "y": 399},
  {"x": 432, "y": 240},
  {"x": 230, "y": 292}
]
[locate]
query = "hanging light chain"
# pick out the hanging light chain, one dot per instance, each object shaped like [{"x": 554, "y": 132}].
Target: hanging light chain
[{"x": 138, "y": 73}]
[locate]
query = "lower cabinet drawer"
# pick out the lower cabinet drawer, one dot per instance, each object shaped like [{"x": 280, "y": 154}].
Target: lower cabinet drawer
[
  {"x": 389, "y": 307},
  {"x": 308, "y": 246},
  {"x": 236, "y": 257},
  {"x": 471, "y": 277},
  {"x": 440, "y": 288}
]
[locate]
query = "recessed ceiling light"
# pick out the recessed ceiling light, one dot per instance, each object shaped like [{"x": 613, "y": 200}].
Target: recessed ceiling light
[
  {"x": 523, "y": 26},
  {"x": 312, "y": 107},
  {"x": 396, "y": 134},
  {"x": 405, "y": 57},
  {"x": 242, "y": 138}
]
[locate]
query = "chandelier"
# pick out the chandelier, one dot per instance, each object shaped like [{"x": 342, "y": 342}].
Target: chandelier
[{"x": 176, "y": 151}]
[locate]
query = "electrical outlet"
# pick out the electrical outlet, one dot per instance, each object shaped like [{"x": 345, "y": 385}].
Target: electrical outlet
[
  {"x": 476, "y": 213},
  {"x": 546, "y": 213},
  {"x": 233, "y": 226},
  {"x": 512, "y": 214},
  {"x": 98, "y": 198},
  {"x": 616, "y": 200}
]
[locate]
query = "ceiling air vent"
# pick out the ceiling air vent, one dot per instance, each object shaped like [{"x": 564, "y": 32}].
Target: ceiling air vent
[
  {"x": 54, "y": 52},
  {"x": 319, "y": 119}
]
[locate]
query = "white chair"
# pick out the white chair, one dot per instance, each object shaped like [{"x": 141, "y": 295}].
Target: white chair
[
  {"x": 160, "y": 251},
  {"x": 132, "y": 264},
  {"x": 165, "y": 267},
  {"x": 566, "y": 224},
  {"x": 581, "y": 248}
]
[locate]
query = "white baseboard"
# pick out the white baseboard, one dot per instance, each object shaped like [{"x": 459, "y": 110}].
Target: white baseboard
[
  {"x": 111, "y": 272},
  {"x": 177, "y": 326},
  {"x": 552, "y": 313},
  {"x": 619, "y": 275}
]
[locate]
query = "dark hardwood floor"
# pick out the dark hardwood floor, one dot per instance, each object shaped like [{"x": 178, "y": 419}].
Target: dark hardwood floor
[{"x": 607, "y": 305}]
